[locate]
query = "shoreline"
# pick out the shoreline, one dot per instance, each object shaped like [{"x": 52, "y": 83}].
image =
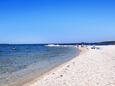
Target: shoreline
[
  {"x": 81, "y": 51},
  {"x": 32, "y": 77},
  {"x": 93, "y": 67}
]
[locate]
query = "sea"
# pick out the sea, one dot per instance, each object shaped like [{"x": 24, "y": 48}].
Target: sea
[{"x": 21, "y": 63}]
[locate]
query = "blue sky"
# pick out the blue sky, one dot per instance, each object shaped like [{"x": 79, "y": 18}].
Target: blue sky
[{"x": 46, "y": 21}]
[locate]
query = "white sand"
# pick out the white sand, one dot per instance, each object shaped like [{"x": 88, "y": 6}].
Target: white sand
[{"x": 91, "y": 68}]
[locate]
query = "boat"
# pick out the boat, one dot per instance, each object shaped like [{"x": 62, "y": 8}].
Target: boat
[{"x": 14, "y": 48}]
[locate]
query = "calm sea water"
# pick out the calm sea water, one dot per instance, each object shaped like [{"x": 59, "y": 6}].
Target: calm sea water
[{"x": 19, "y": 60}]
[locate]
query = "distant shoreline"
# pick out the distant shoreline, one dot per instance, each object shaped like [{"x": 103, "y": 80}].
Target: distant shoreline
[{"x": 77, "y": 43}]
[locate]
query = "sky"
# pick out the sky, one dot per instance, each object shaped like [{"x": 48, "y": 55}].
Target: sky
[{"x": 56, "y": 21}]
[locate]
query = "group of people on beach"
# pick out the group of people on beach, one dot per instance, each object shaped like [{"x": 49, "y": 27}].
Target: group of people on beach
[{"x": 86, "y": 46}]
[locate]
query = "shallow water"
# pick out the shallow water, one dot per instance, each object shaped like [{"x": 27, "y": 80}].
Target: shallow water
[{"x": 19, "y": 61}]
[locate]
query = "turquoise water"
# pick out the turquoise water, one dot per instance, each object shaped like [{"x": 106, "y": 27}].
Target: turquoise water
[{"x": 19, "y": 60}]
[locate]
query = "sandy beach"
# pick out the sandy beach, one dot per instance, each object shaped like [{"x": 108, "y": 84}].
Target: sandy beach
[{"x": 93, "y": 67}]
